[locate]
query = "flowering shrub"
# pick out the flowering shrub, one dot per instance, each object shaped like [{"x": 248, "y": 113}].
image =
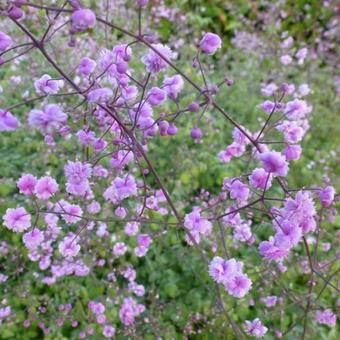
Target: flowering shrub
[{"x": 105, "y": 103}]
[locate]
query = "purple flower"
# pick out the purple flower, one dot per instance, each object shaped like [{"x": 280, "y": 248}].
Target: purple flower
[
  {"x": 109, "y": 331},
  {"x": 4, "y": 312},
  {"x": 46, "y": 187},
  {"x": 326, "y": 196},
  {"x": 270, "y": 301},
  {"x": 96, "y": 307},
  {"x": 300, "y": 209},
  {"x": 46, "y": 85},
  {"x": 286, "y": 60},
  {"x": 173, "y": 85},
  {"x": 229, "y": 273},
  {"x": 69, "y": 247},
  {"x": 33, "y": 238},
  {"x": 129, "y": 273},
  {"x": 210, "y": 43},
  {"x": 293, "y": 133},
  {"x": 287, "y": 43},
  {"x": 131, "y": 228},
  {"x": 86, "y": 137},
  {"x": 301, "y": 55},
  {"x": 7, "y": 121},
  {"x": 326, "y": 317},
  {"x": 83, "y": 19},
  {"x": 77, "y": 175},
  {"x": 120, "y": 189},
  {"x": 86, "y": 66},
  {"x": 122, "y": 52},
  {"x": 292, "y": 152},
  {"x": 255, "y": 328},
  {"x": 222, "y": 270},
  {"x": 26, "y": 184},
  {"x": 269, "y": 89},
  {"x": 71, "y": 213},
  {"x": 17, "y": 219},
  {"x": 154, "y": 62},
  {"x": 119, "y": 249},
  {"x": 144, "y": 240},
  {"x": 260, "y": 179},
  {"x": 50, "y": 119},
  {"x": 101, "y": 95},
  {"x": 197, "y": 225},
  {"x": 297, "y": 109},
  {"x": 288, "y": 234},
  {"x": 139, "y": 290},
  {"x": 156, "y": 96},
  {"x": 232, "y": 150},
  {"x": 196, "y": 133},
  {"x": 239, "y": 191},
  {"x": 239, "y": 285},
  {"x": 268, "y": 106},
  {"x": 273, "y": 252},
  {"x": 5, "y": 41},
  {"x": 275, "y": 163},
  {"x": 242, "y": 232},
  {"x": 129, "y": 310}
]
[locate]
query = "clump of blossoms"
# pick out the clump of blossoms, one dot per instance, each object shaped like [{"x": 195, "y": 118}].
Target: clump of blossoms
[
  {"x": 106, "y": 208},
  {"x": 230, "y": 274}
]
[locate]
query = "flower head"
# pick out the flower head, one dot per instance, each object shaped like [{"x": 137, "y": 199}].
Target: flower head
[
  {"x": 326, "y": 196},
  {"x": 46, "y": 187},
  {"x": 274, "y": 162},
  {"x": 17, "y": 219},
  {"x": 326, "y": 317},
  {"x": 33, "y": 238},
  {"x": 7, "y": 121},
  {"x": 173, "y": 85},
  {"x": 83, "y": 19},
  {"x": 255, "y": 328},
  {"x": 26, "y": 184},
  {"x": 154, "y": 62},
  {"x": 210, "y": 43},
  {"x": 86, "y": 66},
  {"x": 69, "y": 247},
  {"x": 46, "y": 85},
  {"x": 49, "y": 119}
]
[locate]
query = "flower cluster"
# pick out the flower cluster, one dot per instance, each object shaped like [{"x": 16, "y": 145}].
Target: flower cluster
[{"x": 230, "y": 274}]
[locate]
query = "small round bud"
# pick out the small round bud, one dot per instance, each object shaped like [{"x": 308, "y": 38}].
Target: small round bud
[
  {"x": 163, "y": 127},
  {"x": 15, "y": 13},
  {"x": 196, "y": 133},
  {"x": 229, "y": 82},
  {"x": 195, "y": 63},
  {"x": 122, "y": 67},
  {"x": 126, "y": 57},
  {"x": 172, "y": 130},
  {"x": 193, "y": 107}
]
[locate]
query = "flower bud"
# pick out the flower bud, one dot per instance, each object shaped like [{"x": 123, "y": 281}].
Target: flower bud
[
  {"x": 172, "y": 130},
  {"x": 163, "y": 127},
  {"x": 193, "y": 107},
  {"x": 15, "y": 13},
  {"x": 196, "y": 133}
]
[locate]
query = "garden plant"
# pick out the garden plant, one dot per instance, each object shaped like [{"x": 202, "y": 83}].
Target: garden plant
[{"x": 169, "y": 169}]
